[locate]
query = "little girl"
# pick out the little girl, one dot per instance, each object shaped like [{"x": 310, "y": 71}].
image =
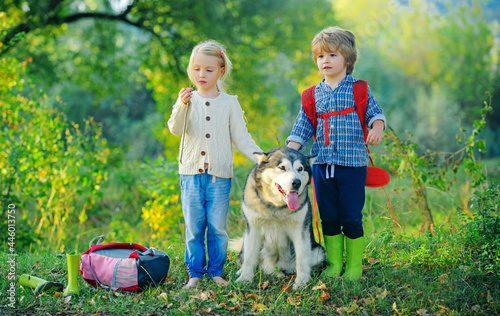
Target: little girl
[{"x": 210, "y": 122}]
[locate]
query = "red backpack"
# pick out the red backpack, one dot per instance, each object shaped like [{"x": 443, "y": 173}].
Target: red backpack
[
  {"x": 360, "y": 91},
  {"x": 123, "y": 266}
]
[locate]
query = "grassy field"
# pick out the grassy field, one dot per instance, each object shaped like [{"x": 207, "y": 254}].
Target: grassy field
[
  {"x": 438, "y": 274},
  {"x": 452, "y": 269}
]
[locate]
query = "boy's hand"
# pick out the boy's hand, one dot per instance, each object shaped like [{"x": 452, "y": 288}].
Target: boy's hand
[
  {"x": 294, "y": 145},
  {"x": 186, "y": 94},
  {"x": 375, "y": 135}
]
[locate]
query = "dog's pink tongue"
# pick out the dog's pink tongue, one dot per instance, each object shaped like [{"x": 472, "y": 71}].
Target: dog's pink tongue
[{"x": 292, "y": 200}]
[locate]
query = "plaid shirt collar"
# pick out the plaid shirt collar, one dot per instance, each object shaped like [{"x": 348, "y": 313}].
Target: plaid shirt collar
[{"x": 348, "y": 79}]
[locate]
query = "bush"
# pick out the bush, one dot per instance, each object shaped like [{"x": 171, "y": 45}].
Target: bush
[
  {"x": 482, "y": 229},
  {"x": 52, "y": 168}
]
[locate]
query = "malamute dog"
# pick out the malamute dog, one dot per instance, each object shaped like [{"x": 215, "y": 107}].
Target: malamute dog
[{"x": 278, "y": 214}]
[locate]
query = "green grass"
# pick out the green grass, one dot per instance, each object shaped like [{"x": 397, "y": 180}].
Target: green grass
[
  {"x": 408, "y": 270},
  {"x": 403, "y": 275}
]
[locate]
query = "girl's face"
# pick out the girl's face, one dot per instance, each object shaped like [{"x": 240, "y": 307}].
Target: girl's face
[
  {"x": 205, "y": 71},
  {"x": 332, "y": 65}
]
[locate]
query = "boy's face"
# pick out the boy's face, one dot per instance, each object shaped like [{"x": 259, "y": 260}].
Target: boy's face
[{"x": 331, "y": 65}]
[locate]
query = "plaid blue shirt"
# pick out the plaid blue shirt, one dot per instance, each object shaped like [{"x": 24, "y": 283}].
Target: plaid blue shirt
[{"x": 346, "y": 144}]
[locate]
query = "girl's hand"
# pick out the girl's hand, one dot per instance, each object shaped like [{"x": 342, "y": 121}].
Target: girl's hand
[
  {"x": 186, "y": 94},
  {"x": 375, "y": 135}
]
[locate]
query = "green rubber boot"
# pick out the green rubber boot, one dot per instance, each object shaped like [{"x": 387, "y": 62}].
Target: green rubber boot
[
  {"x": 40, "y": 285},
  {"x": 334, "y": 246},
  {"x": 354, "y": 262},
  {"x": 73, "y": 271}
]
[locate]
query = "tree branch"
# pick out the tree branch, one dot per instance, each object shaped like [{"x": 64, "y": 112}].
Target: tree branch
[{"x": 55, "y": 20}]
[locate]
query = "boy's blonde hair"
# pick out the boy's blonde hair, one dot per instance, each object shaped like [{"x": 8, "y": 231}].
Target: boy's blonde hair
[
  {"x": 339, "y": 40},
  {"x": 212, "y": 48}
]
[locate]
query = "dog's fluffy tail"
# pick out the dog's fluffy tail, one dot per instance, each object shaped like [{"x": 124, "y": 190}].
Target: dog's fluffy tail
[{"x": 236, "y": 244}]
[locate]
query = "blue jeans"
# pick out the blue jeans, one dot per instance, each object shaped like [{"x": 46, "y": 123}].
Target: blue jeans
[{"x": 205, "y": 206}]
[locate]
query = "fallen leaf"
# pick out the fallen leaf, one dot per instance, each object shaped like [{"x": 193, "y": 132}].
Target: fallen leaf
[
  {"x": 259, "y": 307},
  {"x": 367, "y": 300},
  {"x": 489, "y": 298},
  {"x": 443, "y": 278},
  {"x": 320, "y": 286},
  {"x": 214, "y": 297},
  {"x": 67, "y": 299},
  {"x": 373, "y": 261},
  {"x": 201, "y": 296},
  {"x": 235, "y": 308},
  {"x": 422, "y": 312},
  {"x": 286, "y": 288},
  {"x": 383, "y": 294},
  {"x": 92, "y": 302},
  {"x": 164, "y": 296},
  {"x": 325, "y": 296},
  {"x": 293, "y": 301},
  {"x": 264, "y": 285},
  {"x": 395, "y": 307},
  {"x": 57, "y": 294},
  {"x": 252, "y": 296}
]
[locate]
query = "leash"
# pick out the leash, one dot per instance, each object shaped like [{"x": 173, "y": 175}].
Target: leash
[
  {"x": 386, "y": 195},
  {"x": 390, "y": 206},
  {"x": 184, "y": 132},
  {"x": 315, "y": 215}
]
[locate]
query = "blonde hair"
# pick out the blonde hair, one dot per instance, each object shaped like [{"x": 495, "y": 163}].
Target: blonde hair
[
  {"x": 212, "y": 48},
  {"x": 339, "y": 40}
]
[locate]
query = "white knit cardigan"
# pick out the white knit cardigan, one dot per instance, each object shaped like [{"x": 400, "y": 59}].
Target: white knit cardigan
[{"x": 213, "y": 126}]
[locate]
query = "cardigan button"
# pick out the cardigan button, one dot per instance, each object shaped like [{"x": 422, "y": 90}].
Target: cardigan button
[
  {"x": 207, "y": 103},
  {"x": 200, "y": 170},
  {"x": 203, "y": 153},
  {"x": 208, "y": 118},
  {"x": 207, "y": 136}
]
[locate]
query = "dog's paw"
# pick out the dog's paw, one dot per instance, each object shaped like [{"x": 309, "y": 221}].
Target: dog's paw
[
  {"x": 244, "y": 279},
  {"x": 300, "y": 283},
  {"x": 279, "y": 274},
  {"x": 238, "y": 272}
]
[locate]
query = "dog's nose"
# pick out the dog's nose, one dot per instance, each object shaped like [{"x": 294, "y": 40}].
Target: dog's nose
[{"x": 296, "y": 184}]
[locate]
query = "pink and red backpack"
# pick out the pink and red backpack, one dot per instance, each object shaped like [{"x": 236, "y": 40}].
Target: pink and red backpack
[{"x": 123, "y": 266}]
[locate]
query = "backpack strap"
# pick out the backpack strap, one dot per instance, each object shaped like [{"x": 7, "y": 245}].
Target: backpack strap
[
  {"x": 309, "y": 106},
  {"x": 360, "y": 91}
]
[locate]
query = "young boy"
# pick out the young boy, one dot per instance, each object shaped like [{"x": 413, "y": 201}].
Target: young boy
[{"x": 339, "y": 172}]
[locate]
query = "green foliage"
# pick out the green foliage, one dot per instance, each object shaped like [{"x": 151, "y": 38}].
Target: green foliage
[
  {"x": 418, "y": 59},
  {"x": 162, "y": 212},
  {"x": 109, "y": 54},
  {"x": 52, "y": 168},
  {"x": 123, "y": 62},
  {"x": 431, "y": 44},
  {"x": 482, "y": 228},
  {"x": 472, "y": 167},
  {"x": 432, "y": 168}
]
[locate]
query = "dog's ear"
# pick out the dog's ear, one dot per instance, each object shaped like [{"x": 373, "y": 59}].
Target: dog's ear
[
  {"x": 312, "y": 159},
  {"x": 263, "y": 157}
]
